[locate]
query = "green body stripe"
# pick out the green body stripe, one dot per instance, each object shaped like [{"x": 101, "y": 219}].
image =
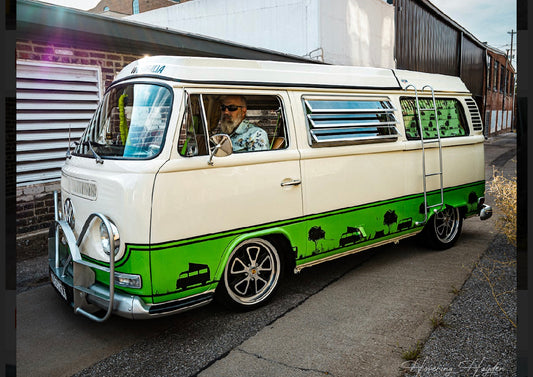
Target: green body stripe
[{"x": 178, "y": 269}]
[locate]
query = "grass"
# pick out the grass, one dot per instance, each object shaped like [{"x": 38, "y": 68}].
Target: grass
[
  {"x": 455, "y": 291},
  {"x": 437, "y": 320},
  {"x": 413, "y": 353}
]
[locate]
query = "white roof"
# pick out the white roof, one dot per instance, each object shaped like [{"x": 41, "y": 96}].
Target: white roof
[
  {"x": 440, "y": 83},
  {"x": 282, "y": 74}
]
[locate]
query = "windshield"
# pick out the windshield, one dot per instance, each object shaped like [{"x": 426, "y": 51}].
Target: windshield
[{"x": 130, "y": 123}]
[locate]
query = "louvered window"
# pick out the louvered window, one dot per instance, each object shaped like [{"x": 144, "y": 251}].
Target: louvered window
[
  {"x": 474, "y": 114},
  {"x": 53, "y": 101},
  {"x": 350, "y": 121}
]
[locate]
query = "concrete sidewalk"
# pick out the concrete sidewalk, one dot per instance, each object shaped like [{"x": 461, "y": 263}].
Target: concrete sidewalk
[{"x": 361, "y": 324}]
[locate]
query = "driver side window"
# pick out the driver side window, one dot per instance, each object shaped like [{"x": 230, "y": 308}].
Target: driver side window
[{"x": 263, "y": 118}]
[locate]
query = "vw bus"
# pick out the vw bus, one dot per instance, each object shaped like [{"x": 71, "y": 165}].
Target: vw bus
[{"x": 159, "y": 213}]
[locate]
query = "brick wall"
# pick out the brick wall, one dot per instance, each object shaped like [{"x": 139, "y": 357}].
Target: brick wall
[
  {"x": 110, "y": 63},
  {"x": 499, "y": 103},
  {"x": 35, "y": 207},
  {"x": 35, "y": 203},
  {"x": 35, "y": 213}
]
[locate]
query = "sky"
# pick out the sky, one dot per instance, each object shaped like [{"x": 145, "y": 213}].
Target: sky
[{"x": 488, "y": 20}]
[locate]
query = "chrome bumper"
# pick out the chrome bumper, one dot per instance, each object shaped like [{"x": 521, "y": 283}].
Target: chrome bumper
[
  {"x": 485, "y": 211},
  {"x": 74, "y": 279}
]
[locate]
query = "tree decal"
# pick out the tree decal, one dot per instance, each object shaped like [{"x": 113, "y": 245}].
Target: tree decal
[
  {"x": 316, "y": 233},
  {"x": 390, "y": 218}
]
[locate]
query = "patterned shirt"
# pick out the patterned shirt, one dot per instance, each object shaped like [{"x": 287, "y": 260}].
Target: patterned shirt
[{"x": 248, "y": 137}]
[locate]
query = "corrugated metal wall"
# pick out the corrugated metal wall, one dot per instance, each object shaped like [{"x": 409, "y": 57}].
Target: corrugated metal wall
[
  {"x": 426, "y": 42},
  {"x": 473, "y": 66},
  {"x": 423, "y": 42},
  {"x": 51, "y": 100}
]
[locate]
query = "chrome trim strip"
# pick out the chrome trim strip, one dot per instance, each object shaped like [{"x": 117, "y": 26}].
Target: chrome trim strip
[
  {"x": 347, "y": 124},
  {"x": 300, "y": 267}
]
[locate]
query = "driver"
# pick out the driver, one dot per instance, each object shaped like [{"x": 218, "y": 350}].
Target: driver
[{"x": 245, "y": 136}]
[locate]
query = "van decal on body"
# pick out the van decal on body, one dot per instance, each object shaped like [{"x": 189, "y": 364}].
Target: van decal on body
[
  {"x": 315, "y": 234},
  {"x": 196, "y": 275}
]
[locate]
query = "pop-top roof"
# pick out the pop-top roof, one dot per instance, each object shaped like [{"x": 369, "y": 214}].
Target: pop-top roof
[{"x": 270, "y": 73}]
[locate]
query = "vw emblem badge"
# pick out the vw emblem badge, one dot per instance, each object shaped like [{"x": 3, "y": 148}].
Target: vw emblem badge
[{"x": 69, "y": 213}]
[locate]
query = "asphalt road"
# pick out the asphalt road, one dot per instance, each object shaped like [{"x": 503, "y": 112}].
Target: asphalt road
[
  {"x": 357, "y": 313},
  {"x": 53, "y": 341}
]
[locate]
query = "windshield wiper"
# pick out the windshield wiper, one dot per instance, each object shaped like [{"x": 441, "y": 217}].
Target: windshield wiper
[
  {"x": 96, "y": 156},
  {"x": 69, "y": 153}
]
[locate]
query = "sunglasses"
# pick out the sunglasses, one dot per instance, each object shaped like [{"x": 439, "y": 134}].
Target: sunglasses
[{"x": 230, "y": 108}]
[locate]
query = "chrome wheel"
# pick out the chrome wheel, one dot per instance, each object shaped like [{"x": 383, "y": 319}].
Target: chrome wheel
[
  {"x": 444, "y": 228},
  {"x": 252, "y": 273},
  {"x": 446, "y": 224}
]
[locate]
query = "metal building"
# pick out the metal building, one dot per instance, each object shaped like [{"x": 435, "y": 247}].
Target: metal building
[{"x": 429, "y": 41}]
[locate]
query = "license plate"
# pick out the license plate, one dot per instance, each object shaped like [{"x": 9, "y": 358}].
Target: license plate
[{"x": 64, "y": 291}]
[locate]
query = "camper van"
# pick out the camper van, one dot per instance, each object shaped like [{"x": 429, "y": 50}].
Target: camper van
[{"x": 203, "y": 178}]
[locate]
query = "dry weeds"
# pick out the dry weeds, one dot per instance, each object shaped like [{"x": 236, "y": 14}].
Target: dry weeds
[{"x": 504, "y": 191}]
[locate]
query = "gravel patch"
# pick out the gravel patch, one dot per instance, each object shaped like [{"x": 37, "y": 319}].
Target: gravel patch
[{"x": 477, "y": 336}]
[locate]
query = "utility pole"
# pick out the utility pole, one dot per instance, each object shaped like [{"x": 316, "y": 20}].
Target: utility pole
[{"x": 512, "y": 32}]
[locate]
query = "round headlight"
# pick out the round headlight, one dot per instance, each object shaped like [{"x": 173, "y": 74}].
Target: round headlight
[{"x": 104, "y": 236}]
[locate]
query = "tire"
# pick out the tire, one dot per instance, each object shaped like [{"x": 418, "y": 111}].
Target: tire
[
  {"x": 251, "y": 276},
  {"x": 443, "y": 228}
]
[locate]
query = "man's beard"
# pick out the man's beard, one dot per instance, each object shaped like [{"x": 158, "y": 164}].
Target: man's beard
[{"x": 227, "y": 125}]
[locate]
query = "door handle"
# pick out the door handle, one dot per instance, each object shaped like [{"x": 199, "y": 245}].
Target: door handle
[{"x": 293, "y": 182}]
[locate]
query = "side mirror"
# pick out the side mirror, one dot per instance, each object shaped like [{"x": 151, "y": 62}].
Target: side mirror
[{"x": 222, "y": 147}]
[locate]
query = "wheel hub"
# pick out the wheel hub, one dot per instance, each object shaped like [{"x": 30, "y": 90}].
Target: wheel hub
[{"x": 252, "y": 271}]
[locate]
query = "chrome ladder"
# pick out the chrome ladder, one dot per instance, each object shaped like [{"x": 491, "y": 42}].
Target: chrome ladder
[{"x": 437, "y": 206}]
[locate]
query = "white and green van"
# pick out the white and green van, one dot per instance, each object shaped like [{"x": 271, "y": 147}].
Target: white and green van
[{"x": 157, "y": 214}]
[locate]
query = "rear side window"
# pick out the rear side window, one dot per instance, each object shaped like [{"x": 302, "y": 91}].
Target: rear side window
[
  {"x": 450, "y": 118},
  {"x": 345, "y": 121}
]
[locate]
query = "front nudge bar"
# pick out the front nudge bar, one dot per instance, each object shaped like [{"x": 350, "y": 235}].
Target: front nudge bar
[
  {"x": 75, "y": 279},
  {"x": 82, "y": 274}
]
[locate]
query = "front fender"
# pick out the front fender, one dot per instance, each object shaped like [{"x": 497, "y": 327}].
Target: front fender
[{"x": 243, "y": 237}]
